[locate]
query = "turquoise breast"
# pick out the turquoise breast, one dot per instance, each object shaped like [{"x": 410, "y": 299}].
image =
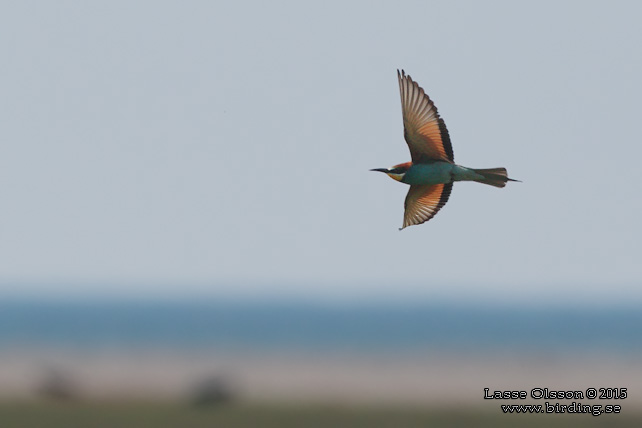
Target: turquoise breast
[{"x": 429, "y": 173}]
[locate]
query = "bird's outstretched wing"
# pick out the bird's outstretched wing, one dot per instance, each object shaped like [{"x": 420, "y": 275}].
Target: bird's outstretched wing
[
  {"x": 424, "y": 201},
  {"x": 424, "y": 131}
]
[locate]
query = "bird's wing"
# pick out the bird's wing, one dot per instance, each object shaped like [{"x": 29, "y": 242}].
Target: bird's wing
[
  {"x": 424, "y": 131},
  {"x": 424, "y": 201}
]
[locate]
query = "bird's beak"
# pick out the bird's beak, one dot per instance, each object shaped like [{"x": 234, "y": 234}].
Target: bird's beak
[{"x": 380, "y": 170}]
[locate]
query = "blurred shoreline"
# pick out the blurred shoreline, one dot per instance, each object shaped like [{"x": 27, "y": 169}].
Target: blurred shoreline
[
  {"x": 313, "y": 377},
  {"x": 426, "y": 355}
]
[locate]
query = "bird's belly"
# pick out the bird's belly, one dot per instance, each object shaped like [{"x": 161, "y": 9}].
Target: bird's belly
[{"x": 429, "y": 173}]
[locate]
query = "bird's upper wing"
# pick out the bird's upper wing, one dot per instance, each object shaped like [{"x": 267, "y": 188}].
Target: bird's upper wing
[
  {"x": 424, "y": 131},
  {"x": 424, "y": 201}
]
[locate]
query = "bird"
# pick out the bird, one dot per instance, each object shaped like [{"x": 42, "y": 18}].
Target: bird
[{"x": 432, "y": 169}]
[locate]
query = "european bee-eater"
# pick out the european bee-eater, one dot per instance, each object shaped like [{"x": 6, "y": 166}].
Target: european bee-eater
[{"x": 433, "y": 171}]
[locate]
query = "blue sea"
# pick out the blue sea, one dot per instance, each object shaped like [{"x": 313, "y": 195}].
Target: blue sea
[{"x": 309, "y": 326}]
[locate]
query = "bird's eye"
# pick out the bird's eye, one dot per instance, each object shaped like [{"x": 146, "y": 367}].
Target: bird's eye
[{"x": 396, "y": 170}]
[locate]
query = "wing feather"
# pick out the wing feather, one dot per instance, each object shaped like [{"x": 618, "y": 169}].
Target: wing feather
[
  {"x": 424, "y": 131},
  {"x": 424, "y": 201}
]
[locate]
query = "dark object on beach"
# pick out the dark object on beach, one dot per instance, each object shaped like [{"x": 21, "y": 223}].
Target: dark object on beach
[
  {"x": 212, "y": 391},
  {"x": 57, "y": 385}
]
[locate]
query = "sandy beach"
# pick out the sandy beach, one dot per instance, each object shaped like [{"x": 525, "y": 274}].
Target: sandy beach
[{"x": 428, "y": 378}]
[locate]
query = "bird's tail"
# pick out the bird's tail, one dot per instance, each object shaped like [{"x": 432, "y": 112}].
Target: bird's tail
[{"x": 493, "y": 176}]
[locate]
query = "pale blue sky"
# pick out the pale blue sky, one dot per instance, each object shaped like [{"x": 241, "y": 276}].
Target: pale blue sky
[{"x": 189, "y": 148}]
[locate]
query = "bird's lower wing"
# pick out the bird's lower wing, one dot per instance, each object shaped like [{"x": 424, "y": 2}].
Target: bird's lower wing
[{"x": 424, "y": 201}]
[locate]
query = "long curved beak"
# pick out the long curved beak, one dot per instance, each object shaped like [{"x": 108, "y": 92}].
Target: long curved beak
[{"x": 380, "y": 170}]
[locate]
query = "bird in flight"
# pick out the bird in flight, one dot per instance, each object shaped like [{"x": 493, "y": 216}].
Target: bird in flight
[{"x": 432, "y": 171}]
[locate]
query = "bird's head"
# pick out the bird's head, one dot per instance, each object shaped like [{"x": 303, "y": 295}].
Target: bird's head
[{"x": 397, "y": 172}]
